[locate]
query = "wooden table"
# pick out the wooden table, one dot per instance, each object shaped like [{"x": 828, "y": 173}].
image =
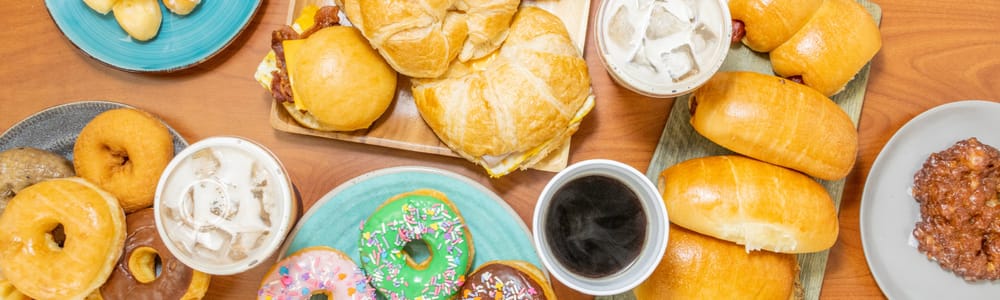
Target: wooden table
[{"x": 934, "y": 52}]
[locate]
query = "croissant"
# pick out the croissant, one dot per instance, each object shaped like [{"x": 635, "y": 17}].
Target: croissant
[
  {"x": 512, "y": 107},
  {"x": 420, "y": 38},
  {"x": 749, "y": 202},
  {"x": 823, "y": 42},
  {"x": 775, "y": 120}
]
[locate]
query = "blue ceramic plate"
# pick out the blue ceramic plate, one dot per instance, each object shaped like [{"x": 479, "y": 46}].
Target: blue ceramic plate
[
  {"x": 889, "y": 213},
  {"x": 183, "y": 41},
  {"x": 55, "y": 129},
  {"x": 497, "y": 231}
]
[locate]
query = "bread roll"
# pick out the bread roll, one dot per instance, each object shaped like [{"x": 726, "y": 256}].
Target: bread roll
[
  {"x": 777, "y": 121},
  {"x": 511, "y": 108},
  {"x": 101, "y": 6},
  {"x": 770, "y": 23},
  {"x": 749, "y": 202},
  {"x": 181, "y": 7},
  {"x": 701, "y": 267},
  {"x": 839, "y": 39},
  {"x": 339, "y": 83},
  {"x": 139, "y": 18},
  {"x": 420, "y": 38}
]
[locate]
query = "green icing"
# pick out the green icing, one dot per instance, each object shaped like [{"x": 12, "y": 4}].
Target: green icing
[{"x": 411, "y": 218}]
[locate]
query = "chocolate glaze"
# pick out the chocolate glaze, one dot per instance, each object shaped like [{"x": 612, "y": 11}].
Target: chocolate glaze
[
  {"x": 514, "y": 284},
  {"x": 174, "y": 279}
]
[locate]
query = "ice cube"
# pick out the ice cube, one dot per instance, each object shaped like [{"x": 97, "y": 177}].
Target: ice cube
[
  {"x": 205, "y": 163},
  {"x": 703, "y": 38},
  {"x": 213, "y": 239},
  {"x": 237, "y": 254},
  {"x": 210, "y": 202},
  {"x": 680, "y": 62},
  {"x": 621, "y": 30},
  {"x": 247, "y": 241},
  {"x": 641, "y": 60},
  {"x": 266, "y": 205},
  {"x": 644, "y": 4},
  {"x": 663, "y": 23},
  {"x": 680, "y": 9}
]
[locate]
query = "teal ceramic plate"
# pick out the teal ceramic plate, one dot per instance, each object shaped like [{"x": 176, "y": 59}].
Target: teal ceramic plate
[
  {"x": 889, "y": 213},
  {"x": 183, "y": 41},
  {"x": 334, "y": 221}
]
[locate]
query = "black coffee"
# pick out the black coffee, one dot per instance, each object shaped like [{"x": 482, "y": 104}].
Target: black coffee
[{"x": 595, "y": 226}]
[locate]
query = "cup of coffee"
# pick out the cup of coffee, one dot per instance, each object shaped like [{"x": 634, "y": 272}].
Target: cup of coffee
[{"x": 600, "y": 227}]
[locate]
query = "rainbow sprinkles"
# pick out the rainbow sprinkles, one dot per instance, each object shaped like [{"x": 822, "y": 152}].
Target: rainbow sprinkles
[{"x": 424, "y": 215}]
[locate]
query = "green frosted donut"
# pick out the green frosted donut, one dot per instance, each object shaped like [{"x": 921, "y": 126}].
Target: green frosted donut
[{"x": 425, "y": 215}]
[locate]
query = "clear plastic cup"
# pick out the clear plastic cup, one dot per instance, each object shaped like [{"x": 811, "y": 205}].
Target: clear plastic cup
[
  {"x": 224, "y": 204},
  {"x": 643, "y": 60}
]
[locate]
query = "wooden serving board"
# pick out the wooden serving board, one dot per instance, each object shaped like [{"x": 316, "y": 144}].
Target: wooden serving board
[
  {"x": 401, "y": 126},
  {"x": 679, "y": 142}
]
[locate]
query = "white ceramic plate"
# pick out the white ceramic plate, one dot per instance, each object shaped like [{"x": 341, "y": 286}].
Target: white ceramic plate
[{"x": 889, "y": 213}]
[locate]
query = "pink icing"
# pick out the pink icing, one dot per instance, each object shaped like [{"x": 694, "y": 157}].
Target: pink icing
[{"x": 315, "y": 270}]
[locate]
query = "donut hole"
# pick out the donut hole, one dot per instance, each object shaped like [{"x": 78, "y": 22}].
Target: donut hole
[
  {"x": 321, "y": 295},
  {"x": 417, "y": 254},
  {"x": 145, "y": 264},
  {"x": 57, "y": 236},
  {"x": 120, "y": 156}
]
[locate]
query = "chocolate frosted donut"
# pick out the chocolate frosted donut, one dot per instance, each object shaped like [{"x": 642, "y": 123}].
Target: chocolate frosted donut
[
  {"x": 135, "y": 275},
  {"x": 507, "y": 279}
]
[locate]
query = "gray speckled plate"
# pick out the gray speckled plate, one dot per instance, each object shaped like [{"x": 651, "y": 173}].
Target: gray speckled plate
[
  {"x": 56, "y": 128},
  {"x": 889, "y": 213}
]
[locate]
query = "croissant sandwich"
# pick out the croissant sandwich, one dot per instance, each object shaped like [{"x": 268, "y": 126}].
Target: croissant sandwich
[
  {"x": 512, "y": 107},
  {"x": 326, "y": 76},
  {"x": 420, "y": 38},
  {"x": 821, "y": 43},
  {"x": 775, "y": 120}
]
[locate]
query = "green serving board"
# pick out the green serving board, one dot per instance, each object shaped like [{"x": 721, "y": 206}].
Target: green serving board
[{"x": 679, "y": 142}]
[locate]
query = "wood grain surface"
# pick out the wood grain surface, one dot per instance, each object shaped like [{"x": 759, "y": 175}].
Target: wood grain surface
[{"x": 933, "y": 52}]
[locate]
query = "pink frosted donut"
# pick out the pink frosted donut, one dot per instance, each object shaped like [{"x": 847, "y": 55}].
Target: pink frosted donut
[{"x": 317, "y": 270}]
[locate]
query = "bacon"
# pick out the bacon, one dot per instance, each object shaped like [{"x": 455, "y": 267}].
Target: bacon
[{"x": 281, "y": 86}]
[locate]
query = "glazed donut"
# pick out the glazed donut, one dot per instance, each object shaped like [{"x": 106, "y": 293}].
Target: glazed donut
[
  {"x": 124, "y": 151},
  {"x": 507, "y": 279},
  {"x": 425, "y": 215},
  {"x": 135, "y": 275},
  {"x": 95, "y": 233},
  {"x": 9, "y": 292},
  {"x": 21, "y": 167},
  {"x": 317, "y": 270}
]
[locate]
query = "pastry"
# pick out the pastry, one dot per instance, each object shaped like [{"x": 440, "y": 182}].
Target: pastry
[
  {"x": 422, "y": 215},
  {"x": 36, "y": 264},
  {"x": 751, "y": 203},
  {"x": 511, "y": 108},
  {"x": 124, "y": 151},
  {"x": 776, "y": 120},
  {"x": 420, "y": 38}
]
